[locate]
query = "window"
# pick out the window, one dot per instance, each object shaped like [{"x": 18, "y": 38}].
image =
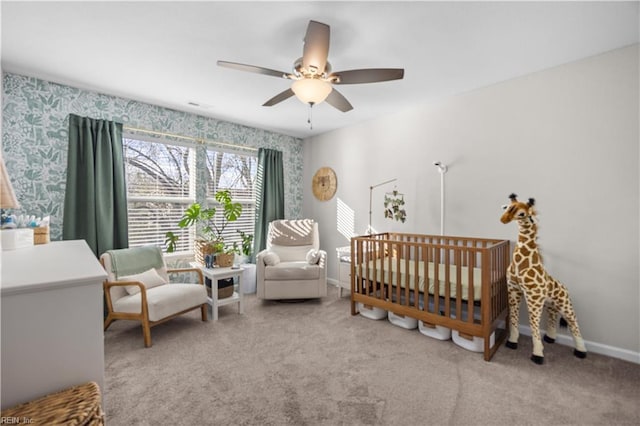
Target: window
[
  {"x": 161, "y": 184},
  {"x": 237, "y": 173},
  {"x": 159, "y": 187}
]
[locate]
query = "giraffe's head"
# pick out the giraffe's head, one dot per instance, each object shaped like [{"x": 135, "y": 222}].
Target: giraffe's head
[{"x": 518, "y": 210}]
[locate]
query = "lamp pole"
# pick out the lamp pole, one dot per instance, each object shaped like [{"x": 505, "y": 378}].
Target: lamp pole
[{"x": 442, "y": 169}]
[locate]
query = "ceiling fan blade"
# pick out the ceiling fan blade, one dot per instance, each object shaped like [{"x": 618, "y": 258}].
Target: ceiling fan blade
[
  {"x": 252, "y": 68},
  {"x": 316, "y": 47},
  {"x": 279, "y": 98},
  {"x": 371, "y": 75},
  {"x": 337, "y": 100}
]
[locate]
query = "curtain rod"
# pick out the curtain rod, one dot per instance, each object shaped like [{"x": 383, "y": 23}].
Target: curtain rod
[{"x": 196, "y": 140}]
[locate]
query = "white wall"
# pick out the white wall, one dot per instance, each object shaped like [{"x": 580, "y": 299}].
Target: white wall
[{"x": 567, "y": 136}]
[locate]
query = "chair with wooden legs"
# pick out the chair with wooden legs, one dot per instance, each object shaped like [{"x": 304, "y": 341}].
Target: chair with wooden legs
[{"x": 138, "y": 289}]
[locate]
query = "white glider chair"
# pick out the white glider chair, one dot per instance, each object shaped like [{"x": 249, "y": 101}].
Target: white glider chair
[
  {"x": 292, "y": 266},
  {"x": 137, "y": 288}
]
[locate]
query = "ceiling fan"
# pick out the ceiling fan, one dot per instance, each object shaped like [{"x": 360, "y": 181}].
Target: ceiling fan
[{"x": 312, "y": 77}]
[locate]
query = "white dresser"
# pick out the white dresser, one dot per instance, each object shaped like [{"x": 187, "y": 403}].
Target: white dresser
[{"x": 51, "y": 320}]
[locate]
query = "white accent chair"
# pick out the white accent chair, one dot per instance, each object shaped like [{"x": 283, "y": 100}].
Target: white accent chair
[
  {"x": 147, "y": 296},
  {"x": 292, "y": 266}
]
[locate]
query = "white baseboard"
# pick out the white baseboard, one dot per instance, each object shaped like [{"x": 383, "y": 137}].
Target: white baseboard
[
  {"x": 567, "y": 340},
  {"x": 598, "y": 348}
]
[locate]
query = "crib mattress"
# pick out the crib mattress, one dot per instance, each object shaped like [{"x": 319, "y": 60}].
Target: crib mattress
[{"x": 463, "y": 274}]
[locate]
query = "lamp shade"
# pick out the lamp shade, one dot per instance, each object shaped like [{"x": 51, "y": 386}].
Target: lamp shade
[
  {"x": 7, "y": 196},
  {"x": 311, "y": 90}
]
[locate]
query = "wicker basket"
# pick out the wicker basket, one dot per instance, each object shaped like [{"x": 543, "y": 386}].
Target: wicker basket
[
  {"x": 204, "y": 248},
  {"x": 223, "y": 293},
  {"x": 79, "y": 405},
  {"x": 41, "y": 235},
  {"x": 224, "y": 260}
]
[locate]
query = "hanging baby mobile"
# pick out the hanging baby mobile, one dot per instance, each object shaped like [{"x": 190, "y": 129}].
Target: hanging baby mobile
[{"x": 394, "y": 206}]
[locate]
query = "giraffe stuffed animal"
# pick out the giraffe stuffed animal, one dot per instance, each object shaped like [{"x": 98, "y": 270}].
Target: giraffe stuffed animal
[{"x": 527, "y": 277}]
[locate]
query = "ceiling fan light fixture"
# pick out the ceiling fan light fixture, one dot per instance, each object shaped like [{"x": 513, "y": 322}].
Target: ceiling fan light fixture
[
  {"x": 312, "y": 77},
  {"x": 311, "y": 90}
]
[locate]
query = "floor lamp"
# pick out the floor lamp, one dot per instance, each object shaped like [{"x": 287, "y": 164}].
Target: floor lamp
[{"x": 442, "y": 169}]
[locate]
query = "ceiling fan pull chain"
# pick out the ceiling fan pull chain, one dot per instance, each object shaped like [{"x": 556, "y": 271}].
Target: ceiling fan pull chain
[{"x": 310, "y": 118}]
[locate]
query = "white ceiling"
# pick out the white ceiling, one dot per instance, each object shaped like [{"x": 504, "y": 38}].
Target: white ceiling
[{"x": 165, "y": 53}]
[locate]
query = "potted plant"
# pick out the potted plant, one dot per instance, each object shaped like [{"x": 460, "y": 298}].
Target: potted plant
[
  {"x": 244, "y": 249},
  {"x": 210, "y": 231}
]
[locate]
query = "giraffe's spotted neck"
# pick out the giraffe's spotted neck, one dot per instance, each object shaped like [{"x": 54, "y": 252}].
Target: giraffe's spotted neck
[{"x": 528, "y": 233}]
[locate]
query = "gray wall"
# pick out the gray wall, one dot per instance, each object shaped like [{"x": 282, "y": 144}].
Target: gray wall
[
  {"x": 35, "y": 139},
  {"x": 567, "y": 136}
]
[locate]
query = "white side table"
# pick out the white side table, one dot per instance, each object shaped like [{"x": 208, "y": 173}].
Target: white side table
[{"x": 215, "y": 274}]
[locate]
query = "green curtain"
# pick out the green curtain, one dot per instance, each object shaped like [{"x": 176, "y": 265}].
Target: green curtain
[
  {"x": 270, "y": 199},
  {"x": 95, "y": 203}
]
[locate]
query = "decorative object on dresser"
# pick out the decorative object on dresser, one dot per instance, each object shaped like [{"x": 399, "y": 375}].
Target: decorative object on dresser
[
  {"x": 41, "y": 235},
  {"x": 23, "y": 228},
  {"x": 527, "y": 277},
  {"x": 8, "y": 198},
  {"x": 138, "y": 289},
  {"x": 292, "y": 266},
  {"x": 453, "y": 282},
  {"x": 11, "y": 236}
]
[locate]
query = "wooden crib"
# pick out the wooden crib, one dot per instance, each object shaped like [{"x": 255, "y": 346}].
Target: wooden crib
[{"x": 454, "y": 282}]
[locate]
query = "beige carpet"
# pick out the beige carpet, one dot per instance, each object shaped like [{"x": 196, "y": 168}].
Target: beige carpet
[{"x": 312, "y": 363}]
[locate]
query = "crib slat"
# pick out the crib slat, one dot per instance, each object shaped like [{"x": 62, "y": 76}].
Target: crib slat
[
  {"x": 459, "y": 261},
  {"x": 436, "y": 276},
  {"x": 419, "y": 253},
  {"x": 471, "y": 286},
  {"x": 416, "y": 277}
]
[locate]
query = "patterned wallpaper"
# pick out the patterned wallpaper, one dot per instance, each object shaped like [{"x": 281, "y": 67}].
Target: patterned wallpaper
[{"x": 35, "y": 139}]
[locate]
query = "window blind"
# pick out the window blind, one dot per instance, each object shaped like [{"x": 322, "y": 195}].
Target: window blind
[{"x": 161, "y": 184}]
